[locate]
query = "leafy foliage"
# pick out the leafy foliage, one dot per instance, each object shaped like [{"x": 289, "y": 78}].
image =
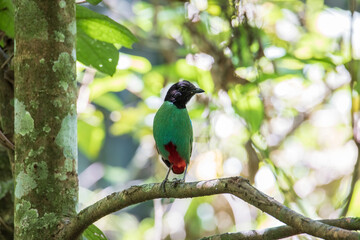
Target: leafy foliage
[
  {"x": 101, "y": 55},
  {"x": 271, "y": 72},
  {"x": 96, "y": 37},
  {"x": 93, "y": 233},
  {"x": 7, "y": 17},
  {"x": 248, "y": 105},
  {"x": 103, "y": 28}
]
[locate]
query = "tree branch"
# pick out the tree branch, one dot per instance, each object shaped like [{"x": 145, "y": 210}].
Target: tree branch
[
  {"x": 284, "y": 231},
  {"x": 237, "y": 186}
]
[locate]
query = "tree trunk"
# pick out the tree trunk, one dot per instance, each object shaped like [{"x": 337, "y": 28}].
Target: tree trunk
[{"x": 45, "y": 173}]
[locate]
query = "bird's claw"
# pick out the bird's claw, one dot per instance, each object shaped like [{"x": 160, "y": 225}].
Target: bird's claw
[
  {"x": 178, "y": 181},
  {"x": 175, "y": 182},
  {"x": 162, "y": 185}
]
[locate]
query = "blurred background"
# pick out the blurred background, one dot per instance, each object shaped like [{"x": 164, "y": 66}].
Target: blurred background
[{"x": 281, "y": 108}]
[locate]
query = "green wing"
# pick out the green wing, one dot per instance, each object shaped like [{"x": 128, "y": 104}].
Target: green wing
[{"x": 173, "y": 125}]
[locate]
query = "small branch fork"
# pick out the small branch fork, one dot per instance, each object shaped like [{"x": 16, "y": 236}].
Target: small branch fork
[{"x": 237, "y": 186}]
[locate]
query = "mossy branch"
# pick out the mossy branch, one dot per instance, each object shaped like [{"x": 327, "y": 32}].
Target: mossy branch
[{"x": 236, "y": 186}]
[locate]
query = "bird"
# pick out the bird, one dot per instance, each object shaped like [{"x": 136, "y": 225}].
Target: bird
[{"x": 172, "y": 128}]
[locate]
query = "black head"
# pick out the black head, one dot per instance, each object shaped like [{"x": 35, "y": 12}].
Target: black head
[{"x": 180, "y": 93}]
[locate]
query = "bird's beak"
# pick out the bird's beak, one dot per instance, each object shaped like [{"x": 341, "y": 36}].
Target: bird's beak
[{"x": 198, "y": 90}]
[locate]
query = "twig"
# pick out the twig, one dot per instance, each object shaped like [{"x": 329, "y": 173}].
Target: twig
[
  {"x": 253, "y": 160},
  {"x": 238, "y": 186},
  {"x": 6, "y": 61},
  {"x": 7, "y": 227},
  {"x": 3, "y": 55},
  {"x": 6, "y": 142},
  {"x": 283, "y": 231}
]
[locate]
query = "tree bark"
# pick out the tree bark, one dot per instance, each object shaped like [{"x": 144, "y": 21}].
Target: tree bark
[{"x": 45, "y": 170}]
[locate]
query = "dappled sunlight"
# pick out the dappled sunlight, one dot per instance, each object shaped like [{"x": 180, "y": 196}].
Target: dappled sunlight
[
  {"x": 232, "y": 167},
  {"x": 265, "y": 180},
  {"x": 224, "y": 126},
  {"x": 174, "y": 225},
  {"x": 334, "y": 23},
  {"x": 207, "y": 165}
]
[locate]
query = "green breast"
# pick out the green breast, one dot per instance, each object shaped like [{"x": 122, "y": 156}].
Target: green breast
[{"x": 173, "y": 124}]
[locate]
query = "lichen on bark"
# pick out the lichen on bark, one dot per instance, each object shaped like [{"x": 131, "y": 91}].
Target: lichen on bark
[
  {"x": 24, "y": 123},
  {"x": 31, "y": 221},
  {"x": 24, "y": 184},
  {"x": 65, "y": 140}
]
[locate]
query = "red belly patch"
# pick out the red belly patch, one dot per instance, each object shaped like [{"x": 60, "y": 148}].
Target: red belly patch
[{"x": 179, "y": 164}]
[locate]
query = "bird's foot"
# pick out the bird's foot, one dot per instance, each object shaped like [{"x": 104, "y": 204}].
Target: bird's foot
[
  {"x": 178, "y": 181},
  {"x": 162, "y": 185}
]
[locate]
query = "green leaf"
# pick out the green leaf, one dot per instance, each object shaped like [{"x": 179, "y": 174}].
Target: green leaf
[
  {"x": 7, "y": 17},
  {"x": 290, "y": 63},
  {"x": 246, "y": 55},
  {"x": 91, "y": 131},
  {"x": 94, "y": 2},
  {"x": 248, "y": 105},
  {"x": 94, "y": 233},
  {"x": 100, "y": 55},
  {"x": 103, "y": 28}
]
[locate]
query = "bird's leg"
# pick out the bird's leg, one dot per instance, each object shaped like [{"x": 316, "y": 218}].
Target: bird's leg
[
  {"x": 183, "y": 179},
  {"x": 185, "y": 173},
  {"x": 162, "y": 185},
  {"x": 177, "y": 181}
]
